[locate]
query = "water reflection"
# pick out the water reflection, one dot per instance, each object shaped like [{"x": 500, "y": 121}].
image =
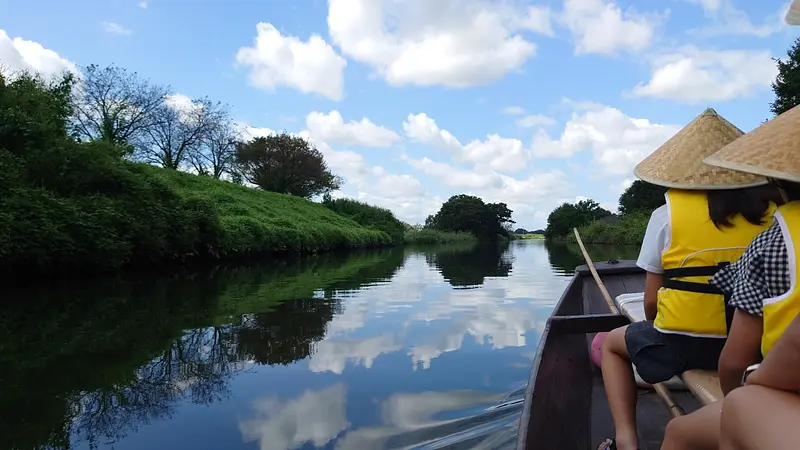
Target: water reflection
[{"x": 378, "y": 349}]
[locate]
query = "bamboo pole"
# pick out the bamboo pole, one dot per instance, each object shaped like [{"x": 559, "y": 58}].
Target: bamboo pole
[{"x": 675, "y": 409}]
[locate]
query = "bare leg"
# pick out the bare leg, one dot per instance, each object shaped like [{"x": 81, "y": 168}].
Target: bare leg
[
  {"x": 620, "y": 388},
  {"x": 696, "y": 431},
  {"x": 756, "y": 417}
]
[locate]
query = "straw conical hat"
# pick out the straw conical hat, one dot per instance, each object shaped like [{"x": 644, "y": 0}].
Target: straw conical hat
[
  {"x": 679, "y": 162},
  {"x": 771, "y": 150}
]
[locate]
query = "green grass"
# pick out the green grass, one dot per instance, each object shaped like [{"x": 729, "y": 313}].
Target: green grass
[
  {"x": 255, "y": 221},
  {"x": 368, "y": 216},
  {"x": 626, "y": 230},
  {"x": 428, "y": 236}
]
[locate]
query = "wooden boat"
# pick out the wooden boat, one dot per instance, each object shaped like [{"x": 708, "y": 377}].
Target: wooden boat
[{"x": 565, "y": 403}]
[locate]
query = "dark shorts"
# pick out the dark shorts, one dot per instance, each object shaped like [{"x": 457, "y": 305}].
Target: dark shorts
[{"x": 660, "y": 356}]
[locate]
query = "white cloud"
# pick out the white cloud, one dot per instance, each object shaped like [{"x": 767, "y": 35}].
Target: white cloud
[
  {"x": 728, "y": 20},
  {"x": 421, "y": 128},
  {"x": 617, "y": 141},
  {"x": 143, "y": 4},
  {"x": 18, "y": 54},
  {"x": 513, "y": 110},
  {"x": 600, "y": 26},
  {"x": 315, "y": 417},
  {"x": 332, "y": 128},
  {"x": 692, "y": 75},
  {"x": 498, "y": 153},
  {"x": 249, "y": 132},
  {"x": 311, "y": 67},
  {"x": 115, "y": 28},
  {"x": 535, "y": 120},
  {"x": 422, "y": 42}
]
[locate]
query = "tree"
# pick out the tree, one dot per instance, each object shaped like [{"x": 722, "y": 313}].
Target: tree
[
  {"x": 177, "y": 130},
  {"x": 469, "y": 213},
  {"x": 641, "y": 196},
  {"x": 216, "y": 152},
  {"x": 286, "y": 164},
  {"x": 563, "y": 219},
  {"x": 113, "y": 105},
  {"x": 787, "y": 84}
]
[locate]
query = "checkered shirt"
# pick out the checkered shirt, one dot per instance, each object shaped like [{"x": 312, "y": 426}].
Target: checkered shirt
[{"x": 761, "y": 272}]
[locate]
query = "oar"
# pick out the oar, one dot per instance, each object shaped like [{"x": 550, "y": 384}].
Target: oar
[{"x": 675, "y": 409}]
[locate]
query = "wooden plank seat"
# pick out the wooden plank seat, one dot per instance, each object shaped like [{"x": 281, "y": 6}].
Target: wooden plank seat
[
  {"x": 631, "y": 305},
  {"x": 704, "y": 384}
]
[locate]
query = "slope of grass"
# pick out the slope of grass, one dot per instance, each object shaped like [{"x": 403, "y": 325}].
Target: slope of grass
[
  {"x": 254, "y": 221},
  {"x": 426, "y": 236}
]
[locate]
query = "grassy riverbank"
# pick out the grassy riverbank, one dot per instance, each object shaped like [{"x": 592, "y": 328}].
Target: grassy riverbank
[{"x": 627, "y": 229}]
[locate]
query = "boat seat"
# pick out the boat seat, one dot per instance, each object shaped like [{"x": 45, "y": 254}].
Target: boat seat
[
  {"x": 704, "y": 384},
  {"x": 631, "y": 305}
]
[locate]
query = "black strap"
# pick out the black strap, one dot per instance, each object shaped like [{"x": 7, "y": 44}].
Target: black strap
[
  {"x": 699, "y": 271},
  {"x": 701, "y": 288}
]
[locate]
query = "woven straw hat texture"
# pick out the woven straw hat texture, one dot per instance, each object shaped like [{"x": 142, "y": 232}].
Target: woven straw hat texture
[
  {"x": 771, "y": 150},
  {"x": 679, "y": 162}
]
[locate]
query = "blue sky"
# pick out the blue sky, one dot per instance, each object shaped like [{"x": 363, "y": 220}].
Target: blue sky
[{"x": 527, "y": 102}]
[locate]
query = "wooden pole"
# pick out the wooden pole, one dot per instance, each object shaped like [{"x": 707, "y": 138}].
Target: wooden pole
[{"x": 675, "y": 409}]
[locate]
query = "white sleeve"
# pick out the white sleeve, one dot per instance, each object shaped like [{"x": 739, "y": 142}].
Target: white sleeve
[{"x": 656, "y": 240}]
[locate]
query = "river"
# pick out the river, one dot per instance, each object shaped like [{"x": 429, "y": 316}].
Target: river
[{"x": 401, "y": 348}]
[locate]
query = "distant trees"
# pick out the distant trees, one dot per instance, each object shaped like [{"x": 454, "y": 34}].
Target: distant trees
[
  {"x": 641, "y": 196},
  {"x": 787, "y": 84},
  {"x": 286, "y": 164},
  {"x": 470, "y": 214},
  {"x": 563, "y": 219}
]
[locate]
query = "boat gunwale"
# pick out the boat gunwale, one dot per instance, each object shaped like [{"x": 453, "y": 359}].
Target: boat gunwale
[{"x": 559, "y": 324}]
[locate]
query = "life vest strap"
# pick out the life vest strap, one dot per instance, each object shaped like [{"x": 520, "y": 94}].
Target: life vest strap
[{"x": 701, "y": 288}]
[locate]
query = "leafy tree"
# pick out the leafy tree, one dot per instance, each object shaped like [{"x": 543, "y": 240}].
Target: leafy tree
[
  {"x": 469, "y": 213},
  {"x": 114, "y": 105},
  {"x": 286, "y": 164},
  {"x": 641, "y": 196},
  {"x": 177, "y": 130},
  {"x": 520, "y": 231},
  {"x": 563, "y": 219},
  {"x": 787, "y": 84}
]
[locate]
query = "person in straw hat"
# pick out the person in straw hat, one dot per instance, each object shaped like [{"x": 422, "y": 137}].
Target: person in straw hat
[
  {"x": 710, "y": 217},
  {"x": 761, "y": 284}
]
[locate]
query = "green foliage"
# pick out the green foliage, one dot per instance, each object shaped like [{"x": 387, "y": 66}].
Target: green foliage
[
  {"x": 641, "y": 196},
  {"x": 254, "y": 221},
  {"x": 564, "y": 218},
  {"x": 368, "y": 216},
  {"x": 470, "y": 214},
  {"x": 286, "y": 164},
  {"x": 626, "y": 230},
  {"x": 787, "y": 84},
  {"x": 71, "y": 205},
  {"x": 426, "y": 236}
]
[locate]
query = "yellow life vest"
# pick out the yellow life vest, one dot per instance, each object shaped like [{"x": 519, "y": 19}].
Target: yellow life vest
[
  {"x": 781, "y": 310},
  {"x": 687, "y": 303}
]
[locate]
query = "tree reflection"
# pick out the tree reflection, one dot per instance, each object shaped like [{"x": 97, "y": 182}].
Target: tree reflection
[
  {"x": 92, "y": 363},
  {"x": 564, "y": 257},
  {"x": 467, "y": 266}
]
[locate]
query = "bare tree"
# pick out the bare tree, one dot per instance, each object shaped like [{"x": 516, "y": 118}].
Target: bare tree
[
  {"x": 216, "y": 152},
  {"x": 178, "y": 129},
  {"x": 114, "y": 105}
]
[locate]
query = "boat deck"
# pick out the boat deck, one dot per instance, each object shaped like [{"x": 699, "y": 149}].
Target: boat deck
[{"x": 652, "y": 415}]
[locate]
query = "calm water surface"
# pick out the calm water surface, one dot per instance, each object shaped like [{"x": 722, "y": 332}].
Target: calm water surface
[{"x": 402, "y": 348}]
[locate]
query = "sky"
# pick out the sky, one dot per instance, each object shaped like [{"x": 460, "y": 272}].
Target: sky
[{"x": 531, "y": 103}]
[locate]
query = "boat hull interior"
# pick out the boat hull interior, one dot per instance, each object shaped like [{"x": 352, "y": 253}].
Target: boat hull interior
[{"x": 565, "y": 402}]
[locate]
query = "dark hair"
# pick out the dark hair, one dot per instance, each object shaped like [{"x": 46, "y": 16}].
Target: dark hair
[
  {"x": 752, "y": 203},
  {"x": 791, "y": 188}
]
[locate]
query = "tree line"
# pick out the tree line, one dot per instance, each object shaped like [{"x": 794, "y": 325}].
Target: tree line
[
  {"x": 641, "y": 198},
  {"x": 148, "y": 122}
]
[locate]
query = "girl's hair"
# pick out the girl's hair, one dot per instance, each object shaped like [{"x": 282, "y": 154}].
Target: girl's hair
[
  {"x": 752, "y": 203},
  {"x": 791, "y": 188}
]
